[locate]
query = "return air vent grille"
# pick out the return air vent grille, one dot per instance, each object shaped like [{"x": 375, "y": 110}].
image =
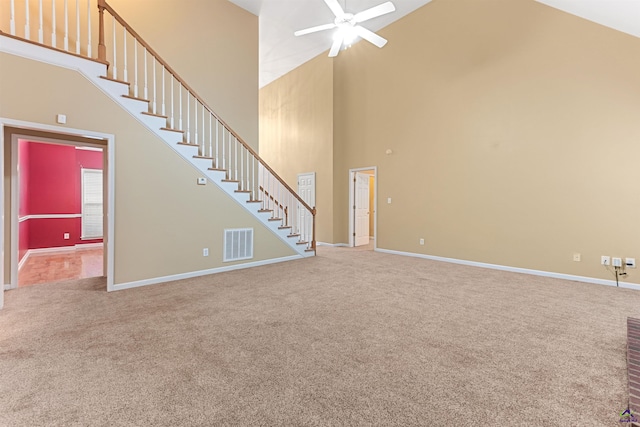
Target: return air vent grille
[{"x": 238, "y": 244}]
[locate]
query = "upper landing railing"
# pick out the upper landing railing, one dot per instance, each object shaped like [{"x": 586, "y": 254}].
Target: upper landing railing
[{"x": 69, "y": 25}]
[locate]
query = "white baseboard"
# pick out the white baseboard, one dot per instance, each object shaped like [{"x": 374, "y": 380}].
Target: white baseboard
[
  {"x": 514, "y": 269},
  {"x": 156, "y": 280},
  {"x": 334, "y": 245},
  {"x": 24, "y": 259},
  {"x": 81, "y": 246},
  {"x": 7, "y": 286}
]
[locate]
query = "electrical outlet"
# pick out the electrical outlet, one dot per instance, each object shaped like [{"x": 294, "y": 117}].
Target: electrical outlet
[
  {"x": 205, "y": 252},
  {"x": 576, "y": 257},
  {"x": 202, "y": 181},
  {"x": 605, "y": 260},
  {"x": 630, "y": 262},
  {"x": 66, "y": 236},
  {"x": 422, "y": 242},
  {"x": 616, "y": 262}
]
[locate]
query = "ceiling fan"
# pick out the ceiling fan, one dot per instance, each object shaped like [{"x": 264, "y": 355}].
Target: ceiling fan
[{"x": 348, "y": 25}]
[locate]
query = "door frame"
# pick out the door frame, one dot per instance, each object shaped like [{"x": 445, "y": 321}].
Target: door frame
[
  {"x": 62, "y": 132},
  {"x": 352, "y": 174}
]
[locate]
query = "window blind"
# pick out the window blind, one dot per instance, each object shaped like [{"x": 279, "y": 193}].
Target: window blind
[{"x": 91, "y": 204}]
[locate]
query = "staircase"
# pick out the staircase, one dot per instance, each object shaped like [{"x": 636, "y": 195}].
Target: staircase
[{"x": 137, "y": 78}]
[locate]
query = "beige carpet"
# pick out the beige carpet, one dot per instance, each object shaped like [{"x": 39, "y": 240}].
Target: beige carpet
[{"x": 346, "y": 338}]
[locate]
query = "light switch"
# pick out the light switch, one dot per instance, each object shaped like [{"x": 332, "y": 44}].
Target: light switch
[{"x": 389, "y": 200}]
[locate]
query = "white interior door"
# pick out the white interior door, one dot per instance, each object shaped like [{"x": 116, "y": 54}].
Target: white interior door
[
  {"x": 307, "y": 191},
  {"x": 362, "y": 209}
]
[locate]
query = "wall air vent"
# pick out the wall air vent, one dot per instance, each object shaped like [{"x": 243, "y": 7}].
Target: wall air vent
[{"x": 238, "y": 244}]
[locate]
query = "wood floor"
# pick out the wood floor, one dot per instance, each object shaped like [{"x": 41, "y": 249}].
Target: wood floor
[{"x": 61, "y": 266}]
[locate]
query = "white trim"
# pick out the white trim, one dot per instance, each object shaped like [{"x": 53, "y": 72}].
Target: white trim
[
  {"x": 62, "y": 131},
  {"x": 83, "y": 246},
  {"x": 57, "y": 249},
  {"x": 334, "y": 245},
  {"x": 81, "y": 147},
  {"x": 191, "y": 274},
  {"x": 15, "y": 208},
  {"x": 48, "y": 216},
  {"x": 514, "y": 269},
  {"x": 23, "y": 260},
  {"x": 73, "y": 248}
]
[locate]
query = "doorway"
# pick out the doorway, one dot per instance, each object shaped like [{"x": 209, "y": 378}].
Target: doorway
[
  {"x": 10, "y": 132},
  {"x": 307, "y": 191},
  {"x": 60, "y": 210},
  {"x": 363, "y": 207}
]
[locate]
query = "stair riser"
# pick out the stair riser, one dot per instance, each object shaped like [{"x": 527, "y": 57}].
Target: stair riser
[{"x": 202, "y": 164}]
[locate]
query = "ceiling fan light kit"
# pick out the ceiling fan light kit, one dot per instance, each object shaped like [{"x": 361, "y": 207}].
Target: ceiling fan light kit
[{"x": 348, "y": 28}]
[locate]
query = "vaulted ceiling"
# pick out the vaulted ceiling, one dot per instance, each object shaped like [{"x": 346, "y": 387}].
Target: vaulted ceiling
[{"x": 281, "y": 51}]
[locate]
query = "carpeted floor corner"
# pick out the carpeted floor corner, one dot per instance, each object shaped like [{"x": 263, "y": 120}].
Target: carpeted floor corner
[{"x": 345, "y": 338}]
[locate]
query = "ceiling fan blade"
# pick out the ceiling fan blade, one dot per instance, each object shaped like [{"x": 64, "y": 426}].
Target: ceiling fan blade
[
  {"x": 335, "y": 47},
  {"x": 374, "y": 12},
  {"x": 370, "y": 36},
  {"x": 335, "y": 7},
  {"x": 314, "y": 29}
]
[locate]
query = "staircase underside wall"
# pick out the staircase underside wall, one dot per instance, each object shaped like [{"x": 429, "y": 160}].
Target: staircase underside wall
[{"x": 163, "y": 219}]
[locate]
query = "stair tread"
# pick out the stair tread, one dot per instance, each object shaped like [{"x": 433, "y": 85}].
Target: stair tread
[
  {"x": 265, "y": 210},
  {"x": 230, "y": 180},
  {"x": 203, "y": 157},
  {"x": 294, "y": 235},
  {"x": 136, "y": 98},
  {"x": 275, "y": 219},
  {"x": 115, "y": 80},
  {"x": 217, "y": 169},
  {"x": 188, "y": 143},
  {"x": 301, "y": 242},
  {"x": 254, "y": 201},
  {"x": 284, "y": 227},
  {"x": 172, "y": 130},
  {"x": 146, "y": 113},
  {"x": 243, "y": 191},
  {"x": 310, "y": 250}
]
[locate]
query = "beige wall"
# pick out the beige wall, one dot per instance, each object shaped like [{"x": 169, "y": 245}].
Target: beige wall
[
  {"x": 296, "y": 126},
  {"x": 514, "y": 131},
  {"x": 213, "y": 45},
  {"x": 162, "y": 218}
]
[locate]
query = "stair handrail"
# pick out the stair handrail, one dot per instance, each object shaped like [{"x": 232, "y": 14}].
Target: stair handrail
[{"x": 102, "y": 56}]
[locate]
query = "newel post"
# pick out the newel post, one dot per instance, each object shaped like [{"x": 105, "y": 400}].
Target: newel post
[
  {"x": 102, "y": 49},
  {"x": 313, "y": 241}
]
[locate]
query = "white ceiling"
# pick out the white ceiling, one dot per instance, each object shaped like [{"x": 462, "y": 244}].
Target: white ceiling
[{"x": 281, "y": 51}]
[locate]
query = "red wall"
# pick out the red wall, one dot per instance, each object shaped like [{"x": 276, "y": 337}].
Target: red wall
[{"x": 50, "y": 176}]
